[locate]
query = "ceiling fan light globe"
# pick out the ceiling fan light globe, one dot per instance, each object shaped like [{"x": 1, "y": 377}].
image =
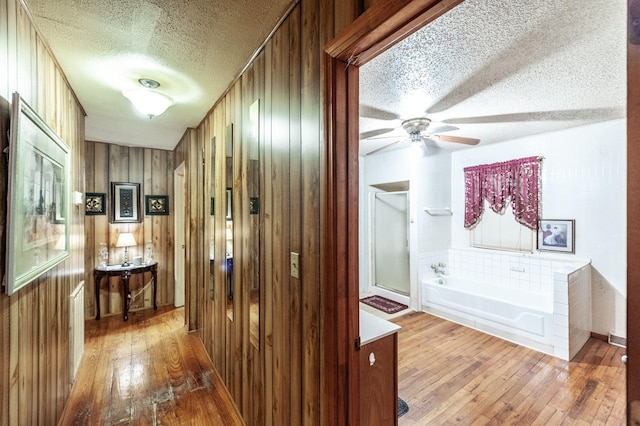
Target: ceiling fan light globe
[{"x": 147, "y": 101}]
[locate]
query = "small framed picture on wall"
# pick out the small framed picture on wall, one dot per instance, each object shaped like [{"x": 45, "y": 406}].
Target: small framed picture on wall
[
  {"x": 556, "y": 235},
  {"x": 157, "y": 204},
  {"x": 95, "y": 203}
]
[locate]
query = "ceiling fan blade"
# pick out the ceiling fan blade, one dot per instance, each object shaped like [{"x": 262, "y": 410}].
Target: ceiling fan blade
[
  {"x": 374, "y": 133},
  {"x": 559, "y": 115},
  {"x": 456, "y": 139},
  {"x": 379, "y": 114},
  {"x": 384, "y": 147},
  {"x": 443, "y": 128}
]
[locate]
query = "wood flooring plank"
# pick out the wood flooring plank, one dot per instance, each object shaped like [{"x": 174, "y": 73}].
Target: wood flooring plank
[
  {"x": 448, "y": 374},
  {"x": 452, "y": 375},
  {"x": 147, "y": 371}
]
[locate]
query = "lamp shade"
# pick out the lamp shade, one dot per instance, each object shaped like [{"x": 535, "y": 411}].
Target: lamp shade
[
  {"x": 126, "y": 239},
  {"x": 147, "y": 101}
]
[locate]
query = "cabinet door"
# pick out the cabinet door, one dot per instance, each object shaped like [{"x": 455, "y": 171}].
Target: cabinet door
[{"x": 379, "y": 382}]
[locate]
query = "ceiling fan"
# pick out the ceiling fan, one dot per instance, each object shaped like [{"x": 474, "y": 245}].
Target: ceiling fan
[{"x": 417, "y": 131}]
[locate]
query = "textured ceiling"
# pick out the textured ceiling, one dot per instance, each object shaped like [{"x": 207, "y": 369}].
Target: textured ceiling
[
  {"x": 194, "y": 48},
  {"x": 500, "y": 70},
  {"x": 495, "y": 69}
]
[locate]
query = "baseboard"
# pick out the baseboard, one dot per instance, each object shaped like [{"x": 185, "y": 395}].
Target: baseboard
[{"x": 611, "y": 339}]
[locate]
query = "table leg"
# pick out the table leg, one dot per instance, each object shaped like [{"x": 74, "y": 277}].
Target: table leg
[
  {"x": 126, "y": 296},
  {"x": 155, "y": 288},
  {"x": 96, "y": 281}
]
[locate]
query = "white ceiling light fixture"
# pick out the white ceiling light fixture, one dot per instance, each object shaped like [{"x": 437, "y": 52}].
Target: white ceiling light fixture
[{"x": 148, "y": 101}]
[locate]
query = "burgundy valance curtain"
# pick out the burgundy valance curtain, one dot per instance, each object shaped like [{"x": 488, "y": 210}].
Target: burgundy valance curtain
[{"x": 515, "y": 180}]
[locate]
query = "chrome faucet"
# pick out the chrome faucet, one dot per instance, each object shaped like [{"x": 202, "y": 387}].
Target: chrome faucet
[{"x": 439, "y": 269}]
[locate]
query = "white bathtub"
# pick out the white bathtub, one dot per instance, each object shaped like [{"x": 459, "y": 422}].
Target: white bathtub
[{"x": 520, "y": 317}]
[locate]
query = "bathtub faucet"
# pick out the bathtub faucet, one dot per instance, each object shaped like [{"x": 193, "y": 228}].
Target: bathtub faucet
[{"x": 439, "y": 268}]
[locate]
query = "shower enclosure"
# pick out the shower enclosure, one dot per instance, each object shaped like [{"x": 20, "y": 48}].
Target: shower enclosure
[{"x": 391, "y": 241}]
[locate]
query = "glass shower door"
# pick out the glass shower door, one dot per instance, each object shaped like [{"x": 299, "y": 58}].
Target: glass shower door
[{"x": 391, "y": 241}]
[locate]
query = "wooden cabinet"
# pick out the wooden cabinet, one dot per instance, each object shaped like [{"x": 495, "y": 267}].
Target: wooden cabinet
[
  {"x": 378, "y": 371},
  {"x": 379, "y": 382}
]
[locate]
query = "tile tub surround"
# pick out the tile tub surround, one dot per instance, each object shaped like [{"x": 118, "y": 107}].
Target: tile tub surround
[
  {"x": 571, "y": 311},
  {"x": 529, "y": 272},
  {"x": 569, "y": 280}
]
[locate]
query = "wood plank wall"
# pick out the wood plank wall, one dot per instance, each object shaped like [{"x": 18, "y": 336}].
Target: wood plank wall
[
  {"x": 190, "y": 152},
  {"x": 153, "y": 170},
  {"x": 278, "y": 383},
  {"x": 34, "y": 322}
]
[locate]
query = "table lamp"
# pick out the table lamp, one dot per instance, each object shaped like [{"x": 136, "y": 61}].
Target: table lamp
[{"x": 126, "y": 240}]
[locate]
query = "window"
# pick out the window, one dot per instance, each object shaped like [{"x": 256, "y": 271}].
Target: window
[{"x": 501, "y": 232}]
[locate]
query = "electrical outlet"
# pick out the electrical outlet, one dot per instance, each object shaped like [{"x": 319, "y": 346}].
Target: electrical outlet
[{"x": 295, "y": 265}]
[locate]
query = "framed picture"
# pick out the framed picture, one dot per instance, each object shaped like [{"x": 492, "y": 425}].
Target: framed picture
[
  {"x": 157, "y": 205},
  {"x": 254, "y": 205},
  {"x": 229, "y": 204},
  {"x": 39, "y": 198},
  {"x": 125, "y": 202},
  {"x": 95, "y": 203},
  {"x": 556, "y": 235}
]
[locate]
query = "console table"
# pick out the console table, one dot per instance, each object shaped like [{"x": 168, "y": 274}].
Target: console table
[{"x": 124, "y": 272}]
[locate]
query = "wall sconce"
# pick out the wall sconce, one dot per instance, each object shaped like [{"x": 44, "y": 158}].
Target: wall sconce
[
  {"x": 148, "y": 101},
  {"x": 126, "y": 240}
]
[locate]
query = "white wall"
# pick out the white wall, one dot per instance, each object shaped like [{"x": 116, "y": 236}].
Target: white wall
[
  {"x": 429, "y": 185},
  {"x": 583, "y": 178}
]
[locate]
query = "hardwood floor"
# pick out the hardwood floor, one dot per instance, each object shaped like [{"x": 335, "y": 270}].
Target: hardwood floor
[
  {"x": 149, "y": 371},
  {"x": 450, "y": 374},
  {"x": 146, "y": 371}
]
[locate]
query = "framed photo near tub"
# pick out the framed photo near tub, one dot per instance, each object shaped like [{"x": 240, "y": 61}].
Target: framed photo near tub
[{"x": 556, "y": 235}]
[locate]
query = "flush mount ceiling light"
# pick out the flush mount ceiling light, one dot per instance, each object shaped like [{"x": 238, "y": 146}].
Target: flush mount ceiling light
[{"x": 148, "y": 101}]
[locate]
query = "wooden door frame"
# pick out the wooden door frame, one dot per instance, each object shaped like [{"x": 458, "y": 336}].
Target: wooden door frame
[
  {"x": 380, "y": 27},
  {"x": 633, "y": 231},
  {"x": 179, "y": 226}
]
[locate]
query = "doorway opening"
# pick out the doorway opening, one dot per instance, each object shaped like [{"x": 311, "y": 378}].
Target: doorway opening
[
  {"x": 359, "y": 44},
  {"x": 386, "y": 23},
  {"x": 179, "y": 246}
]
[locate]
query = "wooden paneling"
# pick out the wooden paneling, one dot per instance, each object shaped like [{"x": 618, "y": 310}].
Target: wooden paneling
[
  {"x": 301, "y": 374},
  {"x": 34, "y": 322},
  {"x": 279, "y": 383},
  {"x": 153, "y": 170},
  {"x": 311, "y": 151}
]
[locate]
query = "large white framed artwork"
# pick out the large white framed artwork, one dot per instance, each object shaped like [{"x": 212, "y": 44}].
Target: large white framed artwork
[{"x": 38, "y": 198}]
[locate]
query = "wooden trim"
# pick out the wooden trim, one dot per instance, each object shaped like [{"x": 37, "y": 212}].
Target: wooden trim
[
  {"x": 384, "y": 24},
  {"x": 633, "y": 227},
  {"x": 599, "y": 336}
]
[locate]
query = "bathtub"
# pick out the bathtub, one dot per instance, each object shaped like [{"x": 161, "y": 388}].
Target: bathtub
[{"x": 520, "y": 317}]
